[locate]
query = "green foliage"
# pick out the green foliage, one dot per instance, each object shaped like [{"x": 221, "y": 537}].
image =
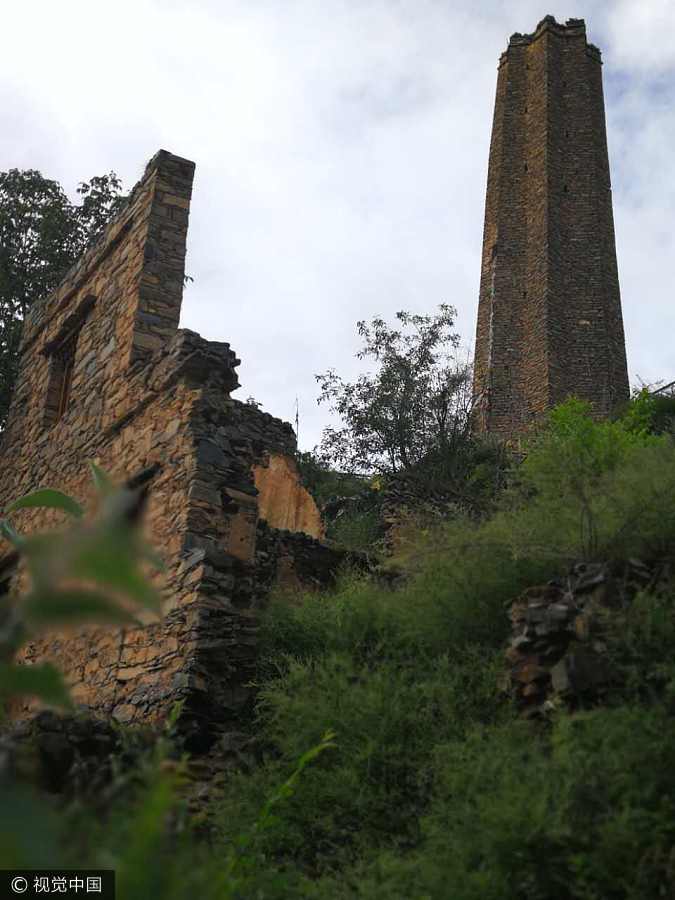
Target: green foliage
[
  {"x": 584, "y": 812},
  {"x": 47, "y": 498},
  {"x": 358, "y": 529},
  {"x": 640, "y": 640},
  {"x": 41, "y": 235},
  {"x": 436, "y": 789},
  {"x": 454, "y": 599},
  {"x": 373, "y": 788},
  {"x": 245, "y": 854},
  {"x": 42, "y": 680},
  {"x": 393, "y": 674},
  {"x": 325, "y": 483},
  {"x": 90, "y": 572},
  {"x": 144, "y": 830},
  {"x": 416, "y": 401},
  {"x": 470, "y": 479},
  {"x": 574, "y": 451},
  {"x": 650, "y": 412},
  {"x": 592, "y": 489}
]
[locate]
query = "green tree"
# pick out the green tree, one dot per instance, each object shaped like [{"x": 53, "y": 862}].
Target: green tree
[
  {"x": 41, "y": 235},
  {"x": 416, "y": 402}
]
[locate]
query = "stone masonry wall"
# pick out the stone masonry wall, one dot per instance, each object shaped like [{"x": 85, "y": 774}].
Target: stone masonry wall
[
  {"x": 549, "y": 317},
  {"x": 145, "y": 396},
  {"x": 296, "y": 561}
]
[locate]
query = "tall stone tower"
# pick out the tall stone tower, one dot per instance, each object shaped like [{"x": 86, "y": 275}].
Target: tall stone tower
[{"x": 549, "y": 313}]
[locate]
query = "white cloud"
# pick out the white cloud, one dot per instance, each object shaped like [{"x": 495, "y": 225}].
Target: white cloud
[
  {"x": 341, "y": 152},
  {"x": 642, "y": 34}
]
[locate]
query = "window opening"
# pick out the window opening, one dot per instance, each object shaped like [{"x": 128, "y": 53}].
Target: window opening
[{"x": 61, "y": 378}]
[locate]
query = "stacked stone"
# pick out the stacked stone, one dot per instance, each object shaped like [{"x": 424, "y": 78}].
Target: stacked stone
[
  {"x": 557, "y": 652},
  {"x": 134, "y": 673},
  {"x": 296, "y": 560},
  {"x": 265, "y": 433},
  {"x": 147, "y": 398},
  {"x": 60, "y": 754}
]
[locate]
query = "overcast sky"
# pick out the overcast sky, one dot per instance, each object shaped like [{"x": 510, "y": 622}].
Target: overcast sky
[{"x": 341, "y": 150}]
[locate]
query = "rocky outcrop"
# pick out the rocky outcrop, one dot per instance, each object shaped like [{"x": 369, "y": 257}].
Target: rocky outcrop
[{"x": 558, "y": 649}]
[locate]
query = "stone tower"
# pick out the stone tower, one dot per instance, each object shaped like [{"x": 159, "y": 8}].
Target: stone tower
[{"x": 549, "y": 313}]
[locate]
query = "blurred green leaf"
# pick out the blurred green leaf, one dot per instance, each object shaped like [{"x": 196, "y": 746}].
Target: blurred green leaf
[
  {"x": 10, "y": 534},
  {"x": 43, "y": 681},
  {"x": 49, "y": 498},
  {"x": 101, "y": 479},
  {"x": 109, "y": 560},
  {"x": 29, "y": 829},
  {"x": 75, "y": 604}
]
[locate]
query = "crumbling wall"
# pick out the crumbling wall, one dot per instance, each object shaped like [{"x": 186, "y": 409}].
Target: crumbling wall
[
  {"x": 105, "y": 375},
  {"x": 134, "y": 673},
  {"x": 558, "y": 654},
  {"x": 297, "y": 561}
]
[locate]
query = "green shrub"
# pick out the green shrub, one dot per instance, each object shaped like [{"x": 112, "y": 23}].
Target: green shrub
[
  {"x": 356, "y": 529},
  {"x": 325, "y": 483},
  {"x": 591, "y": 489},
  {"x": 375, "y": 785},
  {"x": 436, "y": 790},
  {"x": 640, "y": 639},
  {"x": 650, "y": 412},
  {"x": 585, "y": 812},
  {"x": 455, "y": 598}
]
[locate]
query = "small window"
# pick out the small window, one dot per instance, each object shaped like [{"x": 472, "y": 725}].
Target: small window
[{"x": 60, "y": 378}]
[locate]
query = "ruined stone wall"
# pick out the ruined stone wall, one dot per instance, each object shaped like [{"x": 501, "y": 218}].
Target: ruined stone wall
[
  {"x": 549, "y": 318},
  {"x": 282, "y": 500},
  {"x": 296, "y": 561},
  {"x": 144, "y": 396},
  {"x": 130, "y": 672}
]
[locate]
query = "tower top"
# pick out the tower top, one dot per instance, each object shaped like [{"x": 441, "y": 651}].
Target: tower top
[{"x": 571, "y": 28}]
